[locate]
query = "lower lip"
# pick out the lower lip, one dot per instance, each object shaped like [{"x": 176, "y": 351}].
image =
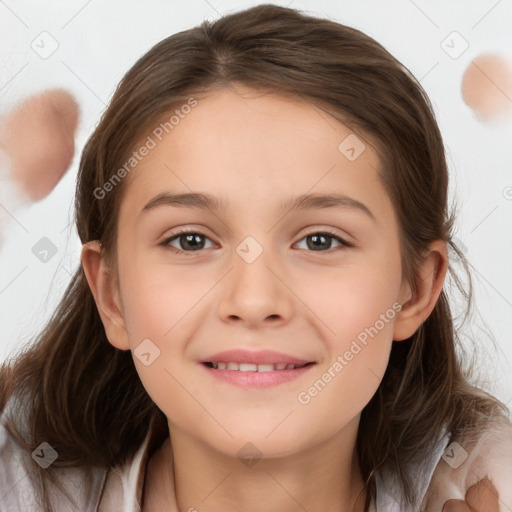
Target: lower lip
[{"x": 257, "y": 379}]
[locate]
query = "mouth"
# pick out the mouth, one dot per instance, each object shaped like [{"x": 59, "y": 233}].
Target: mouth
[
  {"x": 253, "y": 367},
  {"x": 255, "y": 376}
]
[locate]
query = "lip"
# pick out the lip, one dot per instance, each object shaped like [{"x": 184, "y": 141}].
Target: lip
[
  {"x": 257, "y": 380},
  {"x": 254, "y": 357}
]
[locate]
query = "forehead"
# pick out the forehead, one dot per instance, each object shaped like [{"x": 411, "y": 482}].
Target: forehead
[{"x": 249, "y": 146}]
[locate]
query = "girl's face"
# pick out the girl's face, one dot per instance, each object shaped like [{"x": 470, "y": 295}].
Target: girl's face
[{"x": 262, "y": 275}]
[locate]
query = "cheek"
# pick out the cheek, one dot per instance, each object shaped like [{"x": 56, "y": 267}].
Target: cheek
[
  {"x": 156, "y": 298},
  {"x": 161, "y": 310},
  {"x": 355, "y": 310},
  {"x": 349, "y": 298},
  {"x": 153, "y": 321}
]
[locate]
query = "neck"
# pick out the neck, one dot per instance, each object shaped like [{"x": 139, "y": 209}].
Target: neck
[{"x": 323, "y": 478}]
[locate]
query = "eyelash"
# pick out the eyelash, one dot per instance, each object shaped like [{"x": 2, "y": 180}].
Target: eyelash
[{"x": 330, "y": 234}]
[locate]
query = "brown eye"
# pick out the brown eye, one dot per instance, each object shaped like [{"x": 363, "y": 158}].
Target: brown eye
[
  {"x": 322, "y": 241},
  {"x": 189, "y": 241}
]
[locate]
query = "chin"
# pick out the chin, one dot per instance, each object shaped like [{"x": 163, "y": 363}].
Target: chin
[{"x": 259, "y": 445}]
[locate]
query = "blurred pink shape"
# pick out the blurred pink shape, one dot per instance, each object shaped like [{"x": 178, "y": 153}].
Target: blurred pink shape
[
  {"x": 39, "y": 139},
  {"x": 487, "y": 87}
]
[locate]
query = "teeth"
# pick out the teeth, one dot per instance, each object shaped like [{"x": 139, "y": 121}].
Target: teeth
[
  {"x": 266, "y": 367},
  {"x": 250, "y": 367}
]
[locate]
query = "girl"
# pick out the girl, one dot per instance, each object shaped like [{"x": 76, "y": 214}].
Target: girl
[{"x": 258, "y": 321}]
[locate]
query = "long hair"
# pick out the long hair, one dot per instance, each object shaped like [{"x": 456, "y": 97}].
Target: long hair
[{"x": 84, "y": 397}]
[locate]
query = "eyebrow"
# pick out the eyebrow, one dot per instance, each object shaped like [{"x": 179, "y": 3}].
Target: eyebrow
[{"x": 204, "y": 201}]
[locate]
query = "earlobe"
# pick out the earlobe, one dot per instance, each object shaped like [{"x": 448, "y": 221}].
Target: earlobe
[
  {"x": 429, "y": 282},
  {"x": 106, "y": 295}
]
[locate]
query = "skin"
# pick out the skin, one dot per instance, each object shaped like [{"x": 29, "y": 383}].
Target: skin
[
  {"x": 38, "y": 137},
  {"x": 480, "y": 497},
  {"x": 487, "y": 87},
  {"x": 36, "y": 148},
  {"x": 256, "y": 150}
]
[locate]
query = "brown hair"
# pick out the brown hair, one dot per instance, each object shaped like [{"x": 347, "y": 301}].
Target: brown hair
[{"x": 84, "y": 397}]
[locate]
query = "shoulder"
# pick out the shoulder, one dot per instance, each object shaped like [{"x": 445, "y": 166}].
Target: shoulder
[
  {"x": 19, "y": 489},
  {"x": 463, "y": 464},
  {"x": 16, "y": 485}
]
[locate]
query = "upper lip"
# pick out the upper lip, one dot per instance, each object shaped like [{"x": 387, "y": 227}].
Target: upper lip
[{"x": 254, "y": 357}]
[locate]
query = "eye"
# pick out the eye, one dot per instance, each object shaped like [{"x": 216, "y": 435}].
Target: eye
[
  {"x": 191, "y": 241},
  {"x": 188, "y": 240},
  {"x": 321, "y": 239}
]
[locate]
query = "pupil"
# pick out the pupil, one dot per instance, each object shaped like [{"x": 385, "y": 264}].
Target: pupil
[
  {"x": 191, "y": 240},
  {"x": 316, "y": 238}
]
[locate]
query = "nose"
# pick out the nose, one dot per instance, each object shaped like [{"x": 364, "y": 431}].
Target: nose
[{"x": 256, "y": 294}]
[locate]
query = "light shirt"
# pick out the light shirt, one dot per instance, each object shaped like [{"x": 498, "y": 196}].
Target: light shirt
[{"x": 450, "y": 469}]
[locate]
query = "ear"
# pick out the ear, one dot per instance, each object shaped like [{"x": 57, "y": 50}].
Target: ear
[
  {"x": 106, "y": 294},
  {"x": 429, "y": 281}
]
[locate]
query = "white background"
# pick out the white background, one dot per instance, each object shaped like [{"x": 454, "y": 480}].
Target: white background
[{"x": 99, "y": 41}]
